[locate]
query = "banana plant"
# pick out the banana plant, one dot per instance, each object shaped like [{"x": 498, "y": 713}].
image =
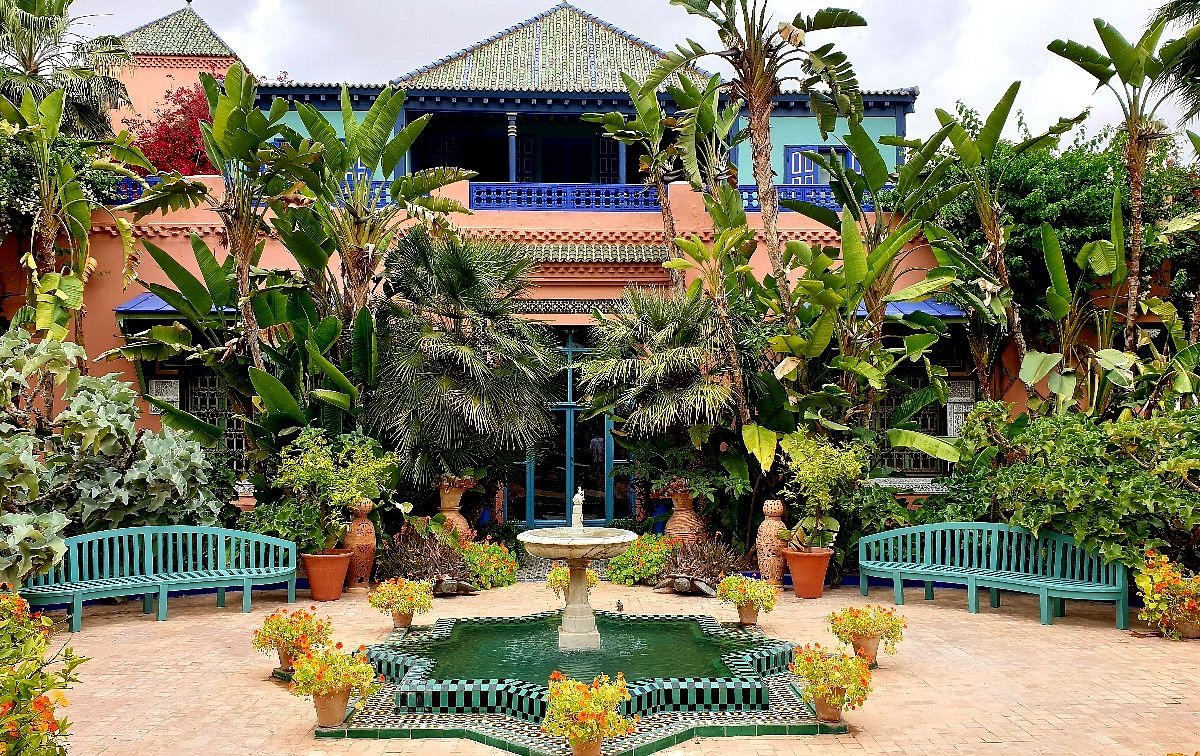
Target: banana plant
[
  {"x": 361, "y": 203},
  {"x": 1139, "y": 76},
  {"x": 266, "y": 165},
  {"x": 707, "y": 133},
  {"x": 649, "y": 130},
  {"x": 58, "y": 274}
]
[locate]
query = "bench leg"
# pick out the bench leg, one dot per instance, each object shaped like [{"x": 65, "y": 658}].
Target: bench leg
[
  {"x": 1060, "y": 607},
  {"x": 1123, "y": 612},
  {"x": 972, "y": 597},
  {"x": 246, "y": 596},
  {"x": 995, "y": 592},
  {"x": 898, "y": 587},
  {"x": 162, "y": 603},
  {"x": 292, "y": 590},
  {"x": 929, "y": 590},
  {"x": 1046, "y": 606},
  {"x": 221, "y": 598},
  {"x": 147, "y": 603},
  {"x": 77, "y": 612}
]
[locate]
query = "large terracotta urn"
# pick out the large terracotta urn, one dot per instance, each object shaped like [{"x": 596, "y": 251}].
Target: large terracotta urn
[
  {"x": 768, "y": 544},
  {"x": 684, "y": 524},
  {"x": 451, "y": 489},
  {"x": 360, "y": 540}
]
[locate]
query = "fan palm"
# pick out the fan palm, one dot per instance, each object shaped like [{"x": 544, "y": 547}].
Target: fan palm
[
  {"x": 41, "y": 52},
  {"x": 463, "y": 380},
  {"x": 659, "y": 364}
]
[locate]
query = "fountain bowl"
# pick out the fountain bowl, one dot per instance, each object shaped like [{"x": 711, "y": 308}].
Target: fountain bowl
[{"x": 577, "y": 543}]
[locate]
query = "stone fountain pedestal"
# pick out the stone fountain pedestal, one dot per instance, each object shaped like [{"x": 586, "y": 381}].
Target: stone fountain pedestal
[
  {"x": 579, "y": 546},
  {"x": 578, "y": 631}
]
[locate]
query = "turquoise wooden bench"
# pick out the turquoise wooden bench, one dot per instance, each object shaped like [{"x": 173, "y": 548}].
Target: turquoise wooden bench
[
  {"x": 151, "y": 561},
  {"x": 986, "y": 555}
]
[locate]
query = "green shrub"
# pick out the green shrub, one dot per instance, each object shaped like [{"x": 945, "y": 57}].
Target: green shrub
[{"x": 643, "y": 562}]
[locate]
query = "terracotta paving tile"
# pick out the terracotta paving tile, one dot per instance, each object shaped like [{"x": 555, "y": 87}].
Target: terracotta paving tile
[{"x": 994, "y": 682}]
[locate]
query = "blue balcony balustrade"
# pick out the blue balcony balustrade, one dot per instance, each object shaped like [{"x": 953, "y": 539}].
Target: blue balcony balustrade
[
  {"x": 604, "y": 198},
  {"x": 128, "y": 189},
  {"x": 817, "y": 194}
]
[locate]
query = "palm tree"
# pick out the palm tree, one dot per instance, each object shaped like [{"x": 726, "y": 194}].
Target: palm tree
[
  {"x": 463, "y": 379},
  {"x": 659, "y": 364},
  {"x": 1139, "y": 76},
  {"x": 760, "y": 57},
  {"x": 40, "y": 52}
]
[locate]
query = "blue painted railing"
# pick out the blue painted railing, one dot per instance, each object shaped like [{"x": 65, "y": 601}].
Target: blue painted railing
[
  {"x": 817, "y": 194},
  {"x": 129, "y": 190},
  {"x": 627, "y": 198}
]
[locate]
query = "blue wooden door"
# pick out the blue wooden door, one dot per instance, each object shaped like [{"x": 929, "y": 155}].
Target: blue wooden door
[{"x": 798, "y": 169}]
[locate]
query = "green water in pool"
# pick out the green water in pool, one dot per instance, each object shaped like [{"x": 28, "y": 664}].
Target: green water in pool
[{"x": 528, "y": 651}]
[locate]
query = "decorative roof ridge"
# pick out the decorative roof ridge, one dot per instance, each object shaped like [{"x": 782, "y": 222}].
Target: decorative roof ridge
[
  {"x": 185, "y": 10},
  {"x": 564, "y": 5}
]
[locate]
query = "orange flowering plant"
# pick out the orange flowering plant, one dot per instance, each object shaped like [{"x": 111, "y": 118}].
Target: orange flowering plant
[
  {"x": 331, "y": 670},
  {"x": 32, "y": 682},
  {"x": 404, "y": 596},
  {"x": 740, "y": 591},
  {"x": 870, "y": 621},
  {"x": 645, "y": 560},
  {"x": 492, "y": 565},
  {"x": 584, "y": 713},
  {"x": 558, "y": 579},
  {"x": 839, "y": 678},
  {"x": 1170, "y": 597},
  {"x": 293, "y": 633}
]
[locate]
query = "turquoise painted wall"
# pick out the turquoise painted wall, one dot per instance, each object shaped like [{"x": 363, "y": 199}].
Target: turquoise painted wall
[{"x": 800, "y": 130}]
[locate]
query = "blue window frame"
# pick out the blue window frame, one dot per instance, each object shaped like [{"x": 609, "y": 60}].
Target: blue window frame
[{"x": 800, "y": 170}]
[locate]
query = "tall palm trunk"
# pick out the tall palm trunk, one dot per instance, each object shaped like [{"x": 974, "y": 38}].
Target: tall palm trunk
[
  {"x": 669, "y": 234},
  {"x": 1194, "y": 332},
  {"x": 729, "y": 336},
  {"x": 1136, "y": 149},
  {"x": 990, "y": 216},
  {"x": 759, "y": 105}
]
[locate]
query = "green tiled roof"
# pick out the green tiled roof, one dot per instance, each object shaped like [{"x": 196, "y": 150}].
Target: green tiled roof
[
  {"x": 598, "y": 253},
  {"x": 563, "y": 49},
  {"x": 181, "y": 33}
]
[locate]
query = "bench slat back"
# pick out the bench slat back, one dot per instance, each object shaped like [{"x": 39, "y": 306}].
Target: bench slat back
[
  {"x": 168, "y": 550},
  {"x": 991, "y": 546}
]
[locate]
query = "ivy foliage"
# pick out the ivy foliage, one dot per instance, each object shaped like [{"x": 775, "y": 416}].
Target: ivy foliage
[{"x": 1117, "y": 486}]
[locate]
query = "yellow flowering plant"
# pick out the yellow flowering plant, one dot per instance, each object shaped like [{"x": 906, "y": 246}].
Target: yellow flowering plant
[
  {"x": 292, "y": 633},
  {"x": 558, "y": 579},
  {"x": 870, "y": 621},
  {"x": 838, "y": 678},
  {"x": 741, "y": 591},
  {"x": 583, "y": 713},
  {"x": 404, "y": 596},
  {"x": 1168, "y": 595},
  {"x": 331, "y": 670}
]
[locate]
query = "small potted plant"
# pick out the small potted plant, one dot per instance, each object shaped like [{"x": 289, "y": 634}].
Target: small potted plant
[
  {"x": 832, "y": 681},
  {"x": 558, "y": 579},
  {"x": 864, "y": 627},
  {"x": 402, "y": 598},
  {"x": 818, "y": 472},
  {"x": 331, "y": 676},
  {"x": 1171, "y": 599},
  {"x": 291, "y": 635},
  {"x": 587, "y": 714},
  {"x": 750, "y": 596}
]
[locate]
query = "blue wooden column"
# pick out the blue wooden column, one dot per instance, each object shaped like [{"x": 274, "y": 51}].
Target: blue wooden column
[
  {"x": 402, "y": 166},
  {"x": 621, "y": 160},
  {"x": 512, "y": 148}
]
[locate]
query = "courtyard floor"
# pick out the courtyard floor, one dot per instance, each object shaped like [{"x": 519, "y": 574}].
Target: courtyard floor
[{"x": 993, "y": 682}]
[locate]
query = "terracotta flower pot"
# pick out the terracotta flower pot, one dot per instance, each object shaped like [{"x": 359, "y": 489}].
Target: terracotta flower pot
[
  {"x": 589, "y": 748},
  {"x": 401, "y": 620},
  {"x": 331, "y": 708},
  {"x": 1188, "y": 630},
  {"x": 326, "y": 573},
  {"x": 450, "y": 504},
  {"x": 769, "y": 545},
  {"x": 684, "y": 524},
  {"x": 748, "y": 614},
  {"x": 360, "y": 541},
  {"x": 286, "y": 663},
  {"x": 866, "y": 647},
  {"x": 808, "y": 570},
  {"x": 826, "y": 711}
]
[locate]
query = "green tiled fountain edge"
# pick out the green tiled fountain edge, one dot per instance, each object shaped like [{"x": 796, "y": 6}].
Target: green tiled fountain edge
[
  {"x": 398, "y": 659},
  {"x": 786, "y": 713}
]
